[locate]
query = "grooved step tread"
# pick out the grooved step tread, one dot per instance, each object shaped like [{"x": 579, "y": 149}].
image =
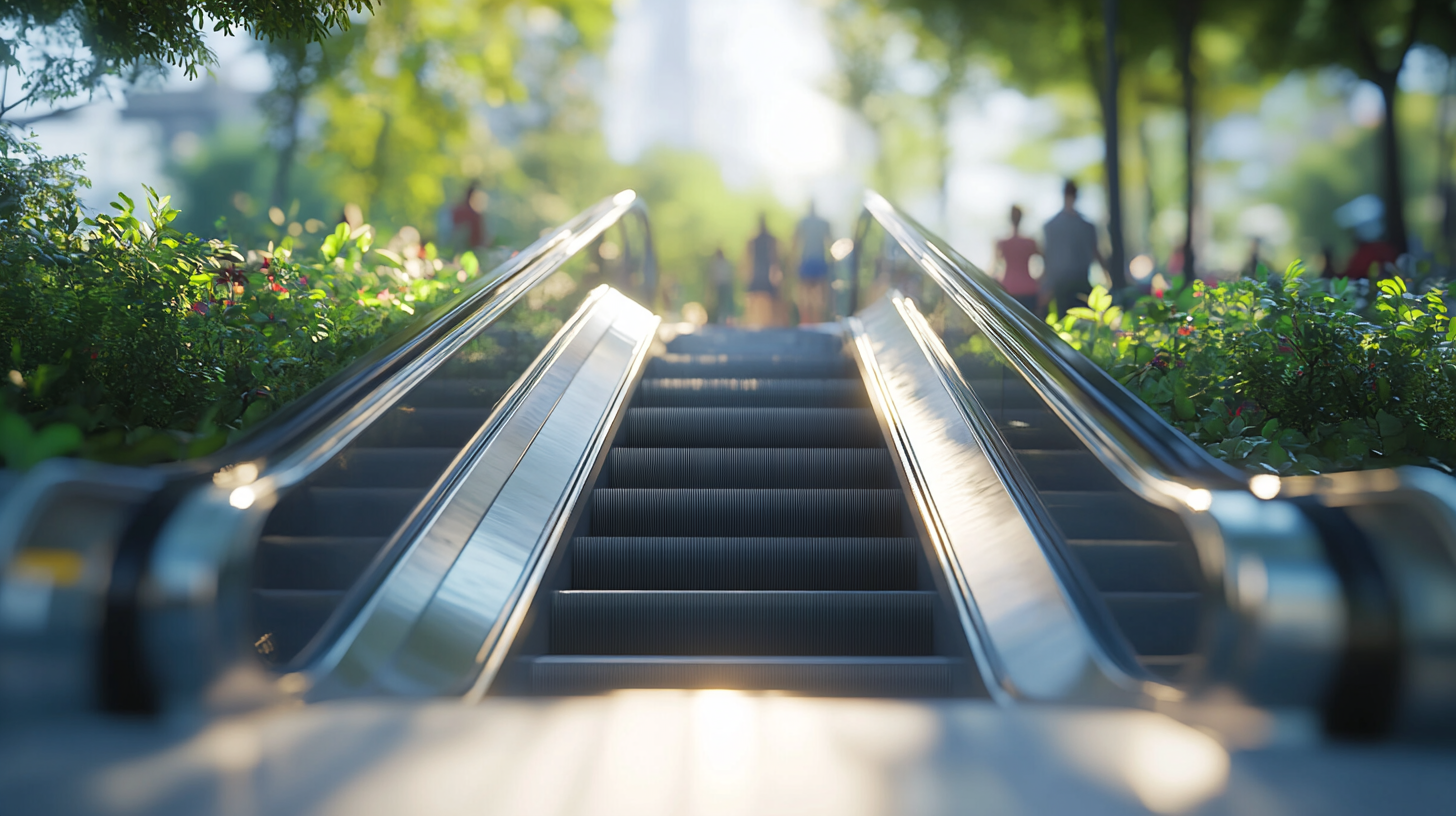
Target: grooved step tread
[
  {"x": 829, "y": 676},
  {"x": 632, "y": 622},
  {"x": 744, "y": 563},
  {"x": 768, "y": 366},
  {"x": 359, "y": 466},
  {"x": 745, "y": 512},
  {"x": 752, "y": 468},
  {"x": 313, "y": 562},
  {"x": 751, "y": 428},
  {"x": 761, "y": 393},
  {"x": 343, "y": 511}
]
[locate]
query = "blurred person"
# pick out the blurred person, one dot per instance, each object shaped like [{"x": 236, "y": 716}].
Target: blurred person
[
  {"x": 761, "y": 258},
  {"x": 720, "y": 282},
  {"x": 1069, "y": 248},
  {"x": 1369, "y": 258},
  {"x": 1013, "y": 260},
  {"x": 467, "y": 221},
  {"x": 811, "y": 248}
]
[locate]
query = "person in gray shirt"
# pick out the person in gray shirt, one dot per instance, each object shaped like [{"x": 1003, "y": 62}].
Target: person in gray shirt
[{"x": 1069, "y": 248}]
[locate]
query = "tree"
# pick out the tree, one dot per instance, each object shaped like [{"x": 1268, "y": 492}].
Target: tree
[
  {"x": 1372, "y": 40},
  {"x": 66, "y": 48}
]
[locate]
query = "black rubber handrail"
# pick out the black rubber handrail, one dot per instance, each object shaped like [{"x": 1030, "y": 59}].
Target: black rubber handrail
[{"x": 1139, "y": 435}]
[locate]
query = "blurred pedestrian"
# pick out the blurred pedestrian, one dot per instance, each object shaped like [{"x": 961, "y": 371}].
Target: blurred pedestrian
[
  {"x": 467, "y": 221},
  {"x": 761, "y": 257},
  {"x": 720, "y": 281},
  {"x": 1369, "y": 259},
  {"x": 1070, "y": 247},
  {"x": 811, "y": 248},
  {"x": 1013, "y": 263}
]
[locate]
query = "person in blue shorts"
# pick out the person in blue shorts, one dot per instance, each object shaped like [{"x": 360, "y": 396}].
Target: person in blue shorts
[{"x": 811, "y": 247}]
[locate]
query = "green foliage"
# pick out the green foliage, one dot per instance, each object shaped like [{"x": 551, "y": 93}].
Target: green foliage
[
  {"x": 1285, "y": 374},
  {"x": 131, "y": 341}
]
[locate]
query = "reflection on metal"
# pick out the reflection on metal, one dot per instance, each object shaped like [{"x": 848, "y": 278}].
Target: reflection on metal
[
  {"x": 1029, "y": 641},
  {"x": 1274, "y": 621},
  {"x": 60, "y": 527},
  {"x": 433, "y": 627},
  {"x": 1409, "y": 515}
]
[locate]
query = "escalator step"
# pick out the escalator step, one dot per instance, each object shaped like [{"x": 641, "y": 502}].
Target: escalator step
[
  {"x": 457, "y": 392},
  {"x": 1157, "y": 623},
  {"x": 751, "y": 428},
  {"x": 756, "y": 393},
  {"x": 772, "y": 341},
  {"x": 829, "y": 676},
  {"x": 1025, "y": 428},
  {"x": 1138, "y": 566},
  {"x": 744, "y": 563},
  {"x": 384, "y": 467},
  {"x": 742, "y": 623},
  {"x": 289, "y": 618},
  {"x": 752, "y": 467},
  {"x": 313, "y": 562},
  {"x": 1066, "y": 470},
  {"x": 342, "y": 511},
  {"x": 1111, "y": 515},
  {"x": 780, "y": 367},
  {"x": 407, "y": 427},
  {"x": 699, "y": 512}
]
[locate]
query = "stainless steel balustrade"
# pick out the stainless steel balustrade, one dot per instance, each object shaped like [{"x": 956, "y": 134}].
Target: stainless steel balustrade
[
  {"x": 1276, "y": 622},
  {"x": 161, "y": 562}
]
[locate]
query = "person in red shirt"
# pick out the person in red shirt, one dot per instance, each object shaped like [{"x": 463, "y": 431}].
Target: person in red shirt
[
  {"x": 1369, "y": 254},
  {"x": 1013, "y": 257}
]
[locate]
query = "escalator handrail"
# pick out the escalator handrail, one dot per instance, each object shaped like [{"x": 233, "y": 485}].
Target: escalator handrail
[
  {"x": 1112, "y": 420},
  {"x": 361, "y": 380}
]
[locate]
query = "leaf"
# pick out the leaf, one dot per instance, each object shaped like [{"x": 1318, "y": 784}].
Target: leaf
[
  {"x": 1389, "y": 425},
  {"x": 1182, "y": 404}
]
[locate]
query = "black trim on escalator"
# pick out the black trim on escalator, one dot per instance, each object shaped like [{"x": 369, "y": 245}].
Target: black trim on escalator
[{"x": 1364, "y": 695}]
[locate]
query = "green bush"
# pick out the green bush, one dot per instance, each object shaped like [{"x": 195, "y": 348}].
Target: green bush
[
  {"x": 130, "y": 341},
  {"x": 1286, "y": 374}
]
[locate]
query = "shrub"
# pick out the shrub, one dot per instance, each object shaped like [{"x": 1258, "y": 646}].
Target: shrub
[
  {"x": 130, "y": 341},
  {"x": 1286, "y": 374}
]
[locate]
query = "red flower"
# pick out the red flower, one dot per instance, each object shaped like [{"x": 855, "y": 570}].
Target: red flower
[
  {"x": 1185, "y": 331},
  {"x": 278, "y": 287},
  {"x": 199, "y": 307},
  {"x": 1158, "y": 295}
]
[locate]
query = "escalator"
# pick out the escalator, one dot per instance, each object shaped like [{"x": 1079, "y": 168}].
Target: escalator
[
  {"x": 542, "y": 491},
  {"x": 748, "y": 531}
]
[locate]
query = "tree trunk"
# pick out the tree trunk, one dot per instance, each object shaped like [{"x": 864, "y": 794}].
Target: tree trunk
[
  {"x": 1117, "y": 261},
  {"x": 1444, "y": 186},
  {"x": 1392, "y": 186},
  {"x": 287, "y": 151},
  {"x": 1187, "y": 23}
]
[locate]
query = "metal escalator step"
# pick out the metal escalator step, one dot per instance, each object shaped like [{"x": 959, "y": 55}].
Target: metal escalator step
[
  {"x": 752, "y": 468},
  {"x": 1008, "y": 392},
  {"x": 719, "y": 341},
  {"x": 722, "y": 366},
  {"x": 1111, "y": 515},
  {"x": 829, "y": 676},
  {"x": 1040, "y": 429},
  {"x": 744, "y": 563},
  {"x": 289, "y": 618},
  {"x": 839, "y": 393},
  {"x": 742, "y": 623},
  {"x": 384, "y": 467},
  {"x": 409, "y": 427},
  {"x": 342, "y": 511},
  {"x": 751, "y": 428},
  {"x": 1066, "y": 470},
  {"x": 732, "y": 512},
  {"x": 313, "y": 562},
  {"x": 1157, "y": 623},
  {"x": 457, "y": 392},
  {"x": 1138, "y": 565}
]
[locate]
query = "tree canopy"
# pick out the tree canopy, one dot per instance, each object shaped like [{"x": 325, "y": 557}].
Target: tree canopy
[{"x": 64, "y": 48}]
